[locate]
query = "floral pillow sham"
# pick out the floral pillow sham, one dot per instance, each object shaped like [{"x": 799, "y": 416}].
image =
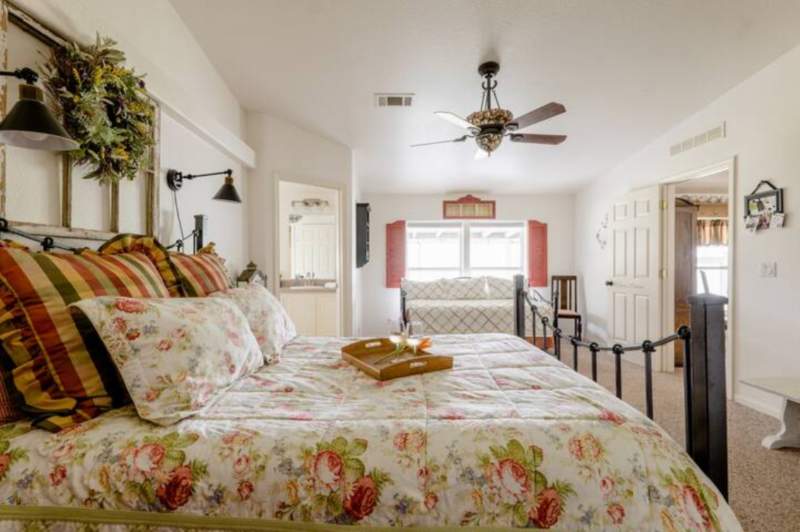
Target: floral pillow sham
[
  {"x": 269, "y": 321},
  {"x": 177, "y": 356}
]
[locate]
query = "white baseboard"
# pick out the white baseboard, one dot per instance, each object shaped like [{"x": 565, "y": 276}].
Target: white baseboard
[{"x": 759, "y": 406}]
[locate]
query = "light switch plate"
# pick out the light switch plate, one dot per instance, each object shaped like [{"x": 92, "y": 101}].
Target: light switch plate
[{"x": 769, "y": 269}]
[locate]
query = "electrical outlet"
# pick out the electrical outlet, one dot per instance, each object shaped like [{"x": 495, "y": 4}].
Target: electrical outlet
[{"x": 769, "y": 269}]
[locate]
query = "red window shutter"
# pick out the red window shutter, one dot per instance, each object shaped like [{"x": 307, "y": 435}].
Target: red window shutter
[
  {"x": 537, "y": 253},
  {"x": 395, "y": 253}
]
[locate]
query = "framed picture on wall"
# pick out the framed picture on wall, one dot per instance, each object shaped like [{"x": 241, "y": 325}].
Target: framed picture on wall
[{"x": 764, "y": 209}]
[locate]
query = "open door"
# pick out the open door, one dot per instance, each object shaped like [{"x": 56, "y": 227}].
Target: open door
[{"x": 634, "y": 286}]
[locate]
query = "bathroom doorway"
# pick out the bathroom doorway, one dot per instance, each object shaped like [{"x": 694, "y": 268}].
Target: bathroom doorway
[{"x": 309, "y": 256}]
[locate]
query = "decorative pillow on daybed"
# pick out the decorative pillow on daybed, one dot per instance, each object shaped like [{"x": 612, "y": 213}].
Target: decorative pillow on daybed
[
  {"x": 176, "y": 355},
  {"x": 269, "y": 321},
  {"x": 463, "y": 288},
  {"x": 203, "y": 273},
  {"x": 498, "y": 288},
  {"x": 60, "y": 371}
]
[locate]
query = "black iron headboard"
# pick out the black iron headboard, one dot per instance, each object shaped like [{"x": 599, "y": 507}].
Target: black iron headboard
[{"x": 48, "y": 243}]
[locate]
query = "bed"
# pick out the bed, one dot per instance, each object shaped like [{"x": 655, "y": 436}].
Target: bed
[{"x": 509, "y": 437}]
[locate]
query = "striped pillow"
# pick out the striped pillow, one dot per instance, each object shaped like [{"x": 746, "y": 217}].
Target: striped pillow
[
  {"x": 59, "y": 368},
  {"x": 158, "y": 255},
  {"x": 9, "y": 405},
  {"x": 202, "y": 274}
]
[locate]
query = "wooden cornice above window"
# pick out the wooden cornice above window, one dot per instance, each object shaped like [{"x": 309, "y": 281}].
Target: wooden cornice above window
[{"x": 469, "y": 208}]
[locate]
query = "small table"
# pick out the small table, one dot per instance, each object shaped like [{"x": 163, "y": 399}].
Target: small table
[{"x": 789, "y": 390}]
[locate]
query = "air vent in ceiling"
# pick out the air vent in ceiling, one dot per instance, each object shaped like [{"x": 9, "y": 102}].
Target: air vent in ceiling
[
  {"x": 394, "y": 100},
  {"x": 698, "y": 140}
]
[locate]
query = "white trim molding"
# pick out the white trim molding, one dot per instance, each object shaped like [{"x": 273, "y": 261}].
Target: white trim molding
[{"x": 212, "y": 132}]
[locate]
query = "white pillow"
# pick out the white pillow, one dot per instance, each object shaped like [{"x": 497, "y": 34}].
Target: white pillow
[
  {"x": 268, "y": 320},
  {"x": 177, "y": 356}
]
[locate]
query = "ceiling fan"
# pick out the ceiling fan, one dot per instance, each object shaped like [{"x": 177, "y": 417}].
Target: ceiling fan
[{"x": 489, "y": 125}]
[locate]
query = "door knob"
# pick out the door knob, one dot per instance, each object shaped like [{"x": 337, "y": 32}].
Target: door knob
[{"x": 609, "y": 283}]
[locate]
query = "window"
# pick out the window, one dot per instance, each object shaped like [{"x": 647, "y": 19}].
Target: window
[
  {"x": 464, "y": 249},
  {"x": 433, "y": 251},
  {"x": 713, "y": 261}
]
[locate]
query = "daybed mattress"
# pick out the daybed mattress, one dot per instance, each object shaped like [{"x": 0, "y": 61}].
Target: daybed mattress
[
  {"x": 508, "y": 437},
  {"x": 463, "y": 316}
]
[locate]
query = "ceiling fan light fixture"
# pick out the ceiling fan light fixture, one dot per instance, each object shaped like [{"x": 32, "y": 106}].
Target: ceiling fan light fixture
[
  {"x": 489, "y": 125},
  {"x": 489, "y": 142},
  {"x": 490, "y": 117}
]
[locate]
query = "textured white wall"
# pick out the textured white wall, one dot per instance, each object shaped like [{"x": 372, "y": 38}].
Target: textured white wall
[
  {"x": 380, "y": 306},
  {"x": 227, "y": 222},
  {"x": 287, "y": 152},
  {"x": 763, "y": 132},
  {"x": 158, "y": 44}
]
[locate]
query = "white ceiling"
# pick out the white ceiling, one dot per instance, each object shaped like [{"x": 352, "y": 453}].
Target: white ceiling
[{"x": 626, "y": 70}]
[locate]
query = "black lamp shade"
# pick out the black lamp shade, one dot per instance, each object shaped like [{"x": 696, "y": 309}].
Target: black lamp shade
[
  {"x": 30, "y": 124},
  {"x": 227, "y": 192}
]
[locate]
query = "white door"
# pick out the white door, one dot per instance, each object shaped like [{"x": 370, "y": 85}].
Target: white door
[
  {"x": 314, "y": 250},
  {"x": 634, "y": 286}
]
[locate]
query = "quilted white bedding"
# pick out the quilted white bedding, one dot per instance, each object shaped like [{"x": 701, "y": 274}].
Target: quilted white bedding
[{"x": 508, "y": 437}]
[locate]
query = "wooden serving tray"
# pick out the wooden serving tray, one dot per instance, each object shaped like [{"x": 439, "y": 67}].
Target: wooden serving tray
[{"x": 370, "y": 356}]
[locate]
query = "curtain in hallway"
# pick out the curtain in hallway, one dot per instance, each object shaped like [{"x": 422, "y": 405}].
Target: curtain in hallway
[{"x": 712, "y": 232}]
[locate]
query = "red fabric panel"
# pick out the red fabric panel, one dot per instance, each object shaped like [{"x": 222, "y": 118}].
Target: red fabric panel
[
  {"x": 395, "y": 253},
  {"x": 537, "y": 253}
]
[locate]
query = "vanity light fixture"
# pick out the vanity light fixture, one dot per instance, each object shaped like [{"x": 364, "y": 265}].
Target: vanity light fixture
[
  {"x": 30, "y": 124},
  {"x": 227, "y": 191}
]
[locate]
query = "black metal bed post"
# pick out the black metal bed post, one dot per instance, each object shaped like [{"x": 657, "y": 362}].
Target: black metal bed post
[
  {"x": 617, "y": 349},
  {"x": 557, "y": 342},
  {"x": 593, "y": 348},
  {"x": 574, "y": 342},
  {"x": 686, "y": 337},
  {"x": 707, "y": 437},
  {"x": 648, "y": 349},
  {"x": 519, "y": 306}
]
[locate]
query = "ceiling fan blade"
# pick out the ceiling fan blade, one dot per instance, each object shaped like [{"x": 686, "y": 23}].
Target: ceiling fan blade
[
  {"x": 537, "y": 115},
  {"x": 538, "y": 139},
  {"x": 480, "y": 154},
  {"x": 459, "y": 139},
  {"x": 455, "y": 119}
]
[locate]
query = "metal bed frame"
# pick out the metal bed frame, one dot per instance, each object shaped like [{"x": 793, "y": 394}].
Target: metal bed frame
[
  {"x": 705, "y": 399},
  {"x": 48, "y": 243}
]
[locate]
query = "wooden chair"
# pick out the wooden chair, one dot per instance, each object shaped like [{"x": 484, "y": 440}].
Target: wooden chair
[{"x": 564, "y": 291}]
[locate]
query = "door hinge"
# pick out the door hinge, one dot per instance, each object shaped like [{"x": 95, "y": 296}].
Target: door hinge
[
  {"x": 663, "y": 205},
  {"x": 662, "y": 273}
]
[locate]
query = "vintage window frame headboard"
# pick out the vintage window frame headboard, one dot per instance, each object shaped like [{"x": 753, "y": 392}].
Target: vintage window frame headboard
[{"x": 10, "y": 13}]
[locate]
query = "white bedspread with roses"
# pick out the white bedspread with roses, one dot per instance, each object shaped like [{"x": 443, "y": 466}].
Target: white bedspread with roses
[{"x": 508, "y": 437}]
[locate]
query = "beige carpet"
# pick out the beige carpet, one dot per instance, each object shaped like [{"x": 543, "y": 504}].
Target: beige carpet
[{"x": 764, "y": 485}]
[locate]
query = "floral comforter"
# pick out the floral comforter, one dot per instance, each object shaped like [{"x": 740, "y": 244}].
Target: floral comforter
[{"x": 509, "y": 437}]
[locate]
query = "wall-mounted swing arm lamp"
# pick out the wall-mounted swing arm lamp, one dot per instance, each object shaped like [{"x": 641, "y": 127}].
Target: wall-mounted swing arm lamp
[
  {"x": 227, "y": 191},
  {"x": 30, "y": 124}
]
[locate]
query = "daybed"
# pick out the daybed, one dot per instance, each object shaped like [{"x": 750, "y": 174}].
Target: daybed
[{"x": 458, "y": 306}]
